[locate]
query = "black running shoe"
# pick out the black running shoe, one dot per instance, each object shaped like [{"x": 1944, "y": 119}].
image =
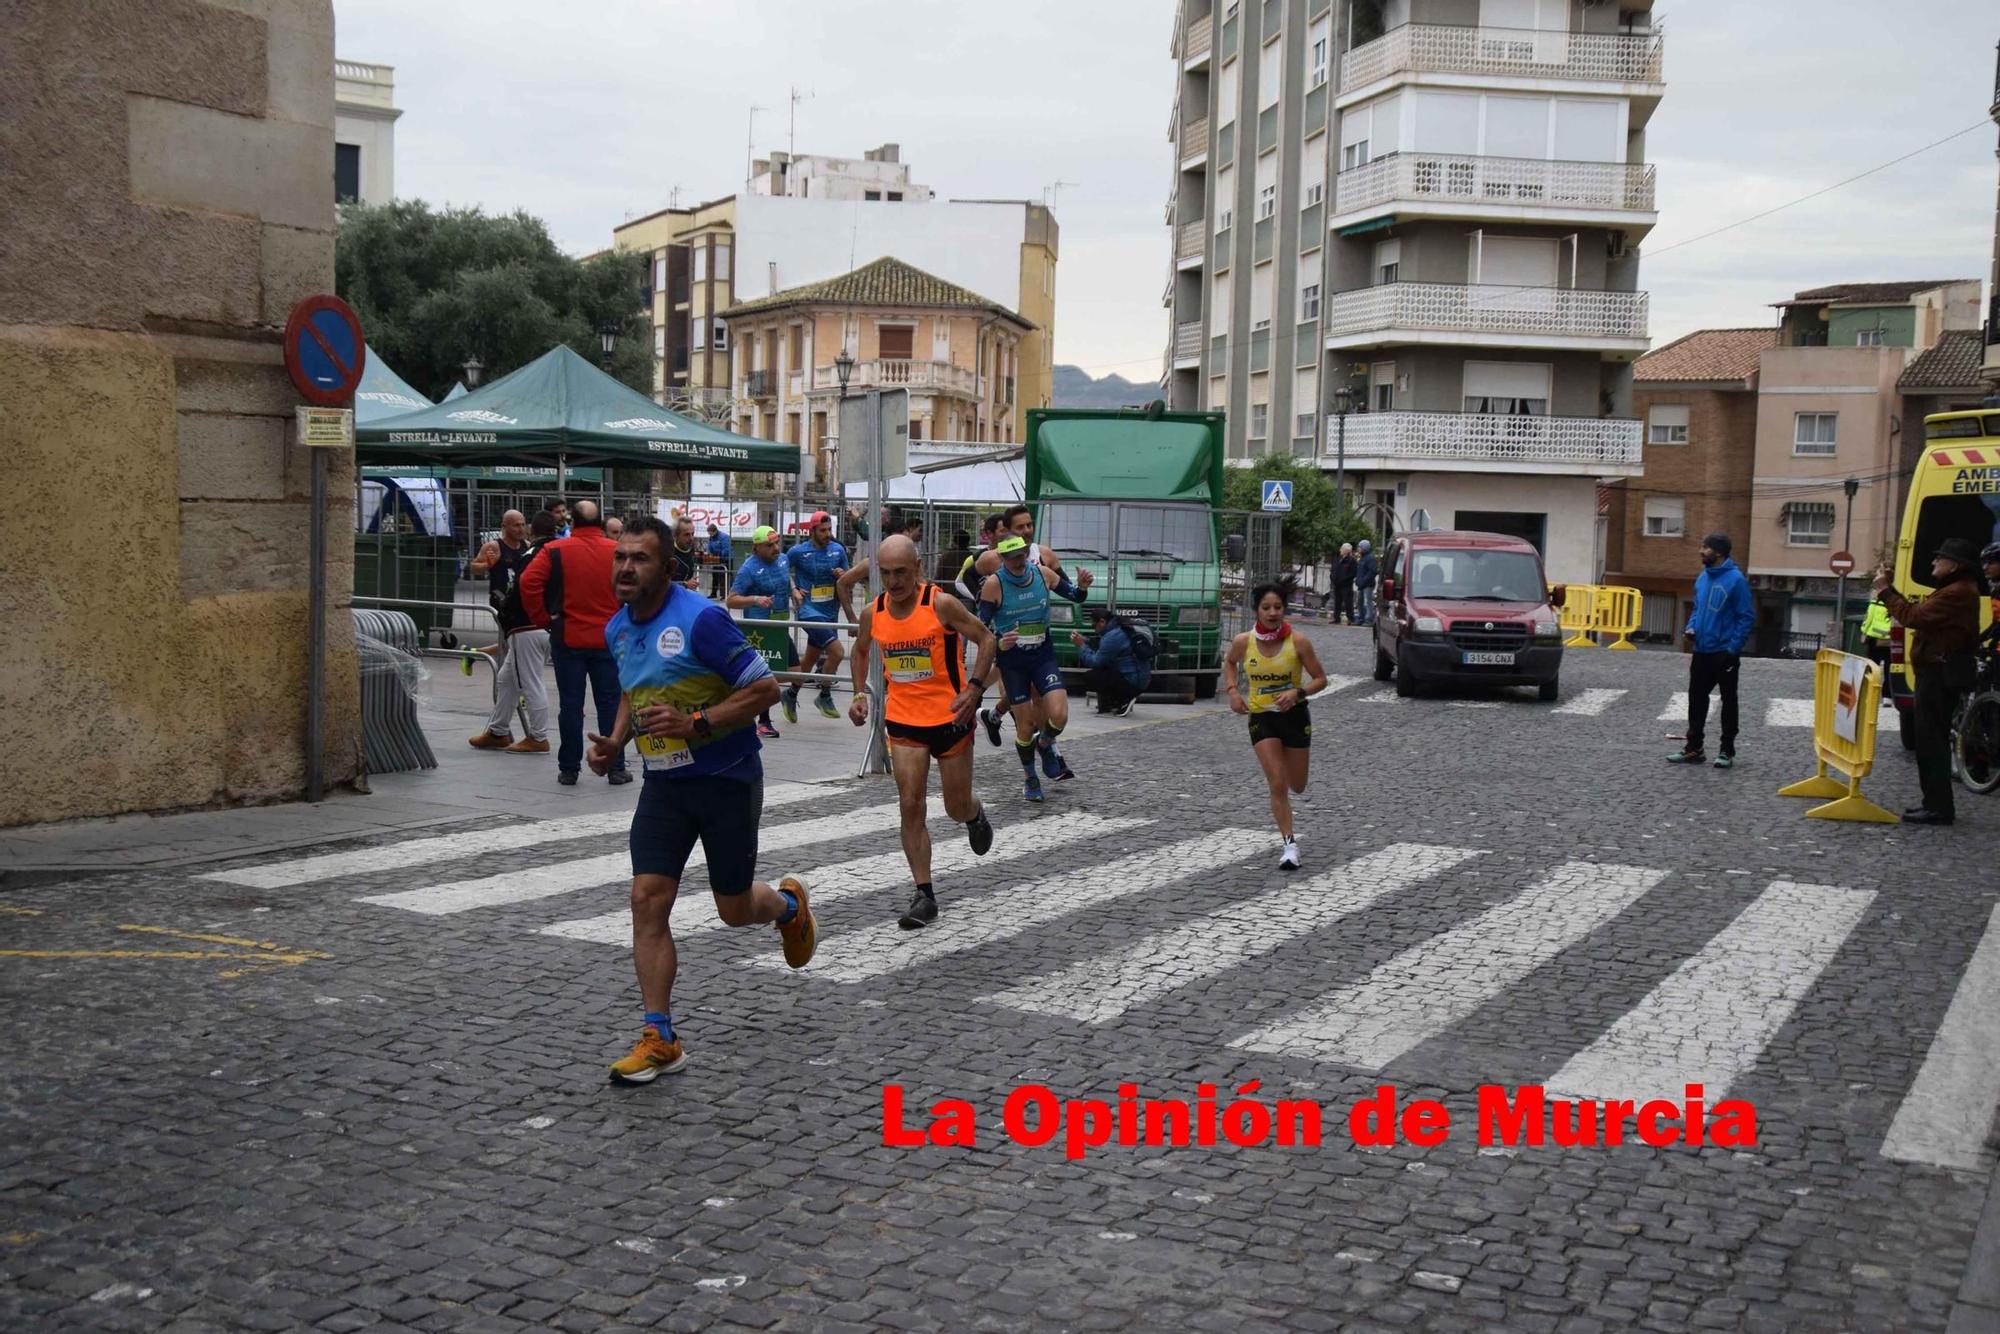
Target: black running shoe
[
  {"x": 992, "y": 721},
  {"x": 922, "y": 912},
  {"x": 979, "y": 833}
]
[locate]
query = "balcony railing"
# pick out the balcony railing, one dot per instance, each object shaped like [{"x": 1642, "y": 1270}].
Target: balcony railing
[
  {"x": 1200, "y": 35},
  {"x": 1429, "y": 48},
  {"x": 761, "y": 384},
  {"x": 1194, "y": 139},
  {"x": 1460, "y": 308},
  {"x": 901, "y": 374},
  {"x": 1473, "y": 437},
  {"x": 1431, "y": 178},
  {"x": 1187, "y": 341},
  {"x": 1192, "y": 236}
]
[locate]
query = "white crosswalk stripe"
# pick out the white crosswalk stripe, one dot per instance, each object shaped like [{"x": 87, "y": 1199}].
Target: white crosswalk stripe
[
  {"x": 1589, "y": 703},
  {"x": 1788, "y": 713},
  {"x": 1003, "y": 913},
  {"x": 450, "y": 847},
  {"x": 1338, "y": 683},
  {"x": 543, "y": 882},
  {"x": 1677, "y": 708},
  {"x": 830, "y": 884},
  {"x": 1707, "y": 1022},
  {"x": 1100, "y": 989},
  {"x": 1427, "y": 988},
  {"x": 1945, "y": 1117}
]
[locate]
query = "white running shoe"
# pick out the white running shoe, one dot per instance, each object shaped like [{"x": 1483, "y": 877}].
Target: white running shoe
[{"x": 1288, "y": 860}]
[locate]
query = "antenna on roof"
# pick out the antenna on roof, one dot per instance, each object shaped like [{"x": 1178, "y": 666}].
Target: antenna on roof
[
  {"x": 1052, "y": 193},
  {"x": 792, "y": 142}
]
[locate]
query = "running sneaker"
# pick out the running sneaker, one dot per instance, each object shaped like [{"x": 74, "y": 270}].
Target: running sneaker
[
  {"x": 619, "y": 777},
  {"x": 979, "y": 833},
  {"x": 801, "y": 934},
  {"x": 1726, "y": 760},
  {"x": 1033, "y": 791},
  {"x": 825, "y": 704},
  {"x": 651, "y": 1057},
  {"x": 1686, "y": 757},
  {"x": 1055, "y": 766},
  {"x": 921, "y": 913},
  {"x": 1124, "y": 710},
  {"x": 788, "y": 700},
  {"x": 767, "y": 731},
  {"x": 992, "y": 721},
  {"x": 1288, "y": 859}
]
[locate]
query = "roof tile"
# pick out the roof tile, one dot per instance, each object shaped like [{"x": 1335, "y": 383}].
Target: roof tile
[
  {"x": 1872, "y": 293},
  {"x": 1706, "y": 354},
  {"x": 1950, "y": 363},
  {"x": 885, "y": 282}
]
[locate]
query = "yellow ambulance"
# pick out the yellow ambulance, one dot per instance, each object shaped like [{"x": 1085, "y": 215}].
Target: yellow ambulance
[{"x": 1954, "y": 492}]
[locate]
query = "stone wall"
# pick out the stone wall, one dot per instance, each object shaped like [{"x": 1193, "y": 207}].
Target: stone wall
[{"x": 166, "y": 195}]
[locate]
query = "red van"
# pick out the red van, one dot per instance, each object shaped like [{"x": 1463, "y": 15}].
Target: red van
[{"x": 1466, "y": 607}]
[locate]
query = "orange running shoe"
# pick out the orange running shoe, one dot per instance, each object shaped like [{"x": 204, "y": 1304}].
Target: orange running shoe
[
  {"x": 651, "y": 1057},
  {"x": 801, "y": 934}
]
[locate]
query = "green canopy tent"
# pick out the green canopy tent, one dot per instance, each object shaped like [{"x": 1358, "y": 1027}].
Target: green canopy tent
[
  {"x": 382, "y": 393},
  {"x": 456, "y": 391},
  {"x": 558, "y": 410}
]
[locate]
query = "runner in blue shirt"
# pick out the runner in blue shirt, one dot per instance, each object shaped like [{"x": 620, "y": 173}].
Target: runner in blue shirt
[
  {"x": 763, "y": 592},
  {"x": 690, "y": 685},
  {"x": 1015, "y": 602},
  {"x": 816, "y": 565}
]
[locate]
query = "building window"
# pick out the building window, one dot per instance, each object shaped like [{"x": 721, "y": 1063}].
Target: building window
[
  {"x": 871, "y": 194},
  {"x": 1667, "y": 424},
  {"x": 701, "y": 333},
  {"x": 1267, "y": 201},
  {"x": 721, "y": 342},
  {"x": 1318, "y": 75},
  {"x": 660, "y": 341},
  {"x": 1388, "y": 261},
  {"x": 700, "y": 261},
  {"x": 1382, "y": 386},
  {"x": 1314, "y": 193},
  {"x": 1666, "y": 516},
  {"x": 1868, "y": 338},
  {"x": 1222, "y": 220},
  {"x": 895, "y": 196},
  {"x": 895, "y": 342},
  {"x": 1354, "y": 155},
  {"x": 721, "y": 261},
  {"x": 1809, "y": 524},
  {"x": 346, "y": 173},
  {"x": 1309, "y": 302},
  {"x": 1814, "y": 432},
  {"x": 798, "y": 348},
  {"x": 1305, "y": 431},
  {"x": 1260, "y": 416}
]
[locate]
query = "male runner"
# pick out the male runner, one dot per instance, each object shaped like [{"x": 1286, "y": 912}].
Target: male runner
[
  {"x": 1015, "y": 602},
  {"x": 929, "y": 705},
  {"x": 1019, "y": 521},
  {"x": 763, "y": 592},
  {"x": 893, "y": 525},
  {"x": 691, "y": 685},
  {"x": 816, "y": 566}
]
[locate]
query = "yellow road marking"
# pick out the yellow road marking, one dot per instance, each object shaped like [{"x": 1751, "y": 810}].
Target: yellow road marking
[
  {"x": 19, "y": 1238},
  {"x": 258, "y": 954},
  {"x": 20, "y": 912}
]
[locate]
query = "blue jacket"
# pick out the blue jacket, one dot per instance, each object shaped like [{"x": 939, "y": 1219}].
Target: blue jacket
[
  {"x": 1365, "y": 570},
  {"x": 1114, "y": 650},
  {"x": 1724, "y": 614},
  {"x": 718, "y": 547}
]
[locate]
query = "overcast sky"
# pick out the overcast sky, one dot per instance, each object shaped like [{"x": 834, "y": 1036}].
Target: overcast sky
[{"x": 588, "y": 113}]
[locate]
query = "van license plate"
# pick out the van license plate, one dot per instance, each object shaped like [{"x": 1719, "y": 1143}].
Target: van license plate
[{"x": 1486, "y": 659}]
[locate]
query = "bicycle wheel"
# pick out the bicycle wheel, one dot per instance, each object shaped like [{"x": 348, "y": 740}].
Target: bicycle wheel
[{"x": 1975, "y": 749}]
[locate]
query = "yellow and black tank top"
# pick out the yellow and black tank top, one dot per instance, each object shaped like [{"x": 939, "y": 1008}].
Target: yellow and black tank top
[{"x": 1267, "y": 678}]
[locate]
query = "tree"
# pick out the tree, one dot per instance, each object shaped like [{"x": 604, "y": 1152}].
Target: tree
[
  {"x": 434, "y": 289},
  {"x": 1314, "y": 529}
]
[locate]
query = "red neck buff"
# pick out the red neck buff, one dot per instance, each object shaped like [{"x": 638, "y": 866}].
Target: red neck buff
[{"x": 1277, "y": 636}]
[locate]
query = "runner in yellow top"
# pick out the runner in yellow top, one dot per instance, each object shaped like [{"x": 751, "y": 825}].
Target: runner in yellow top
[
  {"x": 919, "y": 628},
  {"x": 1279, "y": 669}
]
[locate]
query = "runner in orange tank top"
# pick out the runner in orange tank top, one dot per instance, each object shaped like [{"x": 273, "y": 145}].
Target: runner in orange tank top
[{"x": 920, "y": 629}]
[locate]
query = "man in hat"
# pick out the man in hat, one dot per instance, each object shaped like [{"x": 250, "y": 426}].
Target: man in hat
[
  {"x": 1718, "y": 628},
  {"x": 1943, "y": 629}
]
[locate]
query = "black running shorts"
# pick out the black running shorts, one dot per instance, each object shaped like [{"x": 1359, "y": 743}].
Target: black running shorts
[
  {"x": 1293, "y": 728},
  {"x": 720, "y": 812},
  {"x": 943, "y": 740}
]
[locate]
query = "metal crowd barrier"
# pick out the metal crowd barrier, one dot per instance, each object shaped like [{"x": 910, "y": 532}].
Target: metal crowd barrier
[{"x": 391, "y": 736}]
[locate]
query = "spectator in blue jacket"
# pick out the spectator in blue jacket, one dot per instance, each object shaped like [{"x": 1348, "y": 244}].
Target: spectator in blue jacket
[
  {"x": 1365, "y": 570},
  {"x": 1116, "y": 672},
  {"x": 717, "y": 556},
  {"x": 1723, "y": 617}
]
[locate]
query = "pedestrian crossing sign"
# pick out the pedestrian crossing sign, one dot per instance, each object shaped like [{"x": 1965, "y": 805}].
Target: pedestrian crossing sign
[{"x": 1278, "y": 497}]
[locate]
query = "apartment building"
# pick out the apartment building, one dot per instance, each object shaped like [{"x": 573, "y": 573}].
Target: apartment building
[
  {"x": 1698, "y": 399},
  {"x": 750, "y": 246},
  {"x": 879, "y": 174},
  {"x": 364, "y": 132},
  {"x": 957, "y": 353},
  {"x": 1830, "y": 411},
  {"x": 1421, "y": 216}
]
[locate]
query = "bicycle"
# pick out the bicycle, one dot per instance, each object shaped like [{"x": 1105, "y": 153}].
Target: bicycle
[{"x": 1975, "y": 729}]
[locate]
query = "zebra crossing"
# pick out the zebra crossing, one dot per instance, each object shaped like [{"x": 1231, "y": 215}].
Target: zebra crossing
[
  {"x": 1609, "y": 702},
  {"x": 1213, "y": 908}
]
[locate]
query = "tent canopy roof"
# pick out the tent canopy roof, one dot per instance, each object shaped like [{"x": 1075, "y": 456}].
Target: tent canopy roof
[
  {"x": 561, "y": 405},
  {"x": 382, "y": 393}
]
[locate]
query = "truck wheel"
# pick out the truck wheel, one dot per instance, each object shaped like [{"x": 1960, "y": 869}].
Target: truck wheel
[
  {"x": 1385, "y": 666},
  {"x": 1549, "y": 689},
  {"x": 1906, "y": 726},
  {"x": 1204, "y": 686},
  {"x": 1406, "y": 682}
]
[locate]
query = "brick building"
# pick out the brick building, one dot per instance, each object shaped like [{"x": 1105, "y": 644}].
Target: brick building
[{"x": 1698, "y": 399}]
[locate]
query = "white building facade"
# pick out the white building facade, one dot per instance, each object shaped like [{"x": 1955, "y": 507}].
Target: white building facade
[
  {"x": 879, "y": 175},
  {"x": 364, "y": 132}
]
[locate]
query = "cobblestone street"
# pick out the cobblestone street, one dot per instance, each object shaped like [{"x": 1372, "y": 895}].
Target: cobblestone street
[{"x": 362, "y": 1085}]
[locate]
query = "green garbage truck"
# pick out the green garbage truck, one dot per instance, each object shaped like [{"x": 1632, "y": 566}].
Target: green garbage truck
[{"x": 1133, "y": 496}]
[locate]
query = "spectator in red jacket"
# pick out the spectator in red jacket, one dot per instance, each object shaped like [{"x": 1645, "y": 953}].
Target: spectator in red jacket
[{"x": 567, "y": 589}]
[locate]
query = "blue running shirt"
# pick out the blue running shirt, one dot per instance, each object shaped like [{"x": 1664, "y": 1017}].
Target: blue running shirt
[
  {"x": 815, "y": 571},
  {"x": 1024, "y": 608},
  {"x": 690, "y": 655}
]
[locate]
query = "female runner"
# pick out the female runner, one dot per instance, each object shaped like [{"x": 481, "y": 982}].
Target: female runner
[{"x": 1279, "y": 669}]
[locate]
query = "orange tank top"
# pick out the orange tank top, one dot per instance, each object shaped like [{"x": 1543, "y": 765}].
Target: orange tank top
[{"x": 920, "y": 662}]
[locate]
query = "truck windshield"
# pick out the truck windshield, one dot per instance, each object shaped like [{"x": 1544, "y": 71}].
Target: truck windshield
[
  {"x": 1144, "y": 532},
  {"x": 1476, "y": 575}
]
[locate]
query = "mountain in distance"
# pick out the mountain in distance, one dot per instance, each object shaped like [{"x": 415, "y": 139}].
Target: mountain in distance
[{"x": 1075, "y": 389}]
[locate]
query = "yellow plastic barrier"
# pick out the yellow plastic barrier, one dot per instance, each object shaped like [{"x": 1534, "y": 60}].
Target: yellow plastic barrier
[
  {"x": 1578, "y": 615},
  {"x": 1847, "y": 692},
  {"x": 1615, "y": 611}
]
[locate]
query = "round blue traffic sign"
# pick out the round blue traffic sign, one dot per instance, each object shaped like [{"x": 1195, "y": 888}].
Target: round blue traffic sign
[{"x": 324, "y": 351}]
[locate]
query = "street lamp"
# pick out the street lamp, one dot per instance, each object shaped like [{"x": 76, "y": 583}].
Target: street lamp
[
  {"x": 607, "y": 342},
  {"x": 843, "y": 370},
  {"x": 472, "y": 366},
  {"x": 843, "y": 367},
  {"x": 1343, "y": 403}
]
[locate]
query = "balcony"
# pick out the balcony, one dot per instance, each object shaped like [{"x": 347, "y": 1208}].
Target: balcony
[
  {"x": 935, "y": 376},
  {"x": 1196, "y": 43},
  {"x": 1479, "y": 442},
  {"x": 1417, "y": 49},
  {"x": 1194, "y": 142},
  {"x": 1487, "y": 315},
  {"x": 760, "y": 384},
  {"x": 1432, "y": 185},
  {"x": 1192, "y": 237},
  {"x": 1187, "y": 344}
]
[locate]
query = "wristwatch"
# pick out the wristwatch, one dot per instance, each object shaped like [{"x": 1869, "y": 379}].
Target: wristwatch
[{"x": 702, "y": 727}]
